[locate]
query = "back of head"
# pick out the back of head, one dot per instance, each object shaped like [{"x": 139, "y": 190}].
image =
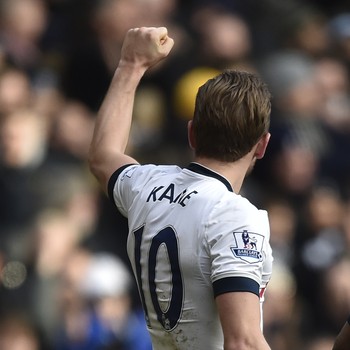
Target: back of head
[{"x": 232, "y": 113}]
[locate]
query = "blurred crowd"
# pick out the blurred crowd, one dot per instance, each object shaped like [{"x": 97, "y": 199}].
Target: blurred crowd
[{"x": 65, "y": 280}]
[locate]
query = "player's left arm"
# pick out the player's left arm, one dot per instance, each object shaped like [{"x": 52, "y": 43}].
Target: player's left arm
[
  {"x": 239, "y": 270},
  {"x": 240, "y": 320},
  {"x": 142, "y": 48}
]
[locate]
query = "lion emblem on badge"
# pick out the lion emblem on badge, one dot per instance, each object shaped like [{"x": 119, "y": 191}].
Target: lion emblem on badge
[{"x": 249, "y": 243}]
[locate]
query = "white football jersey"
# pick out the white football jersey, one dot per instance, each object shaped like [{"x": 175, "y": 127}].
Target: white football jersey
[{"x": 190, "y": 239}]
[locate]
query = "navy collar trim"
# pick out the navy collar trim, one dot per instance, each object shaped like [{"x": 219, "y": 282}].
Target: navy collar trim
[{"x": 200, "y": 169}]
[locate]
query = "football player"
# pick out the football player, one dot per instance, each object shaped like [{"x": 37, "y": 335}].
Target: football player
[{"x": 199, "y": 251}]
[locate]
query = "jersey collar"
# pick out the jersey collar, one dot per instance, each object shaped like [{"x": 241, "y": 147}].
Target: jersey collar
[{"x": 200, "y": 169}]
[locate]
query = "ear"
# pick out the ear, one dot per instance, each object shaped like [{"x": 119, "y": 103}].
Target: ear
[
  {"x": 262, "y": 145},
  {"x": 190, "y": 136}
]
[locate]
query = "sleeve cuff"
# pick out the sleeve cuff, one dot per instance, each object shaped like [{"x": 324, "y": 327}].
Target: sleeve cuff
[
  {"x": 235, "y": 284},
  {"x": 112, "y": 180}
]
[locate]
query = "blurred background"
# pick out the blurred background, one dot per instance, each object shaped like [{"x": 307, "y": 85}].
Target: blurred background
[{"x": 64, "y": 274}]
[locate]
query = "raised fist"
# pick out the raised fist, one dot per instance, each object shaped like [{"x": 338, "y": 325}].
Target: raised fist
[{"x": 146, "y": 46}]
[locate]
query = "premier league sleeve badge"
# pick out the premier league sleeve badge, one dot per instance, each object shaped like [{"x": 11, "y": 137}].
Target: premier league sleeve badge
[{"x": 248, "y": 246}]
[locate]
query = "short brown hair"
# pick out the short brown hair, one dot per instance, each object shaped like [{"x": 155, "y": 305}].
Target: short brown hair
[{"x": 232, "y": 112}]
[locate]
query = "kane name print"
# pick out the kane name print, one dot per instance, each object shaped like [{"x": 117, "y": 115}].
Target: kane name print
[{"x": 160, "y": 193}]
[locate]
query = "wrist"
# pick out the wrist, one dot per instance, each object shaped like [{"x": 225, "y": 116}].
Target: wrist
[
  {"x": 127, "y": 76},
  {"x": 130, "y": 67}
]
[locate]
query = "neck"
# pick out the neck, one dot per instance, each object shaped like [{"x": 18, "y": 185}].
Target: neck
[{"x": 234, "y": 172}]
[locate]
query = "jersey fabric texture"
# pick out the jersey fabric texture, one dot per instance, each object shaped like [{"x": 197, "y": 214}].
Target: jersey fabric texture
[{"x": 190, "y": 239}]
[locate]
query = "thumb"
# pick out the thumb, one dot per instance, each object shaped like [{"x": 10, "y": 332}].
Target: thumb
[{"x": 164, "y": 40}]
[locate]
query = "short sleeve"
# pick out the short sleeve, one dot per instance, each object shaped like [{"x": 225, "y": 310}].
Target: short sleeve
[
  {"x": 120, "y": 187},
  {"x": 237, "y": 238}
]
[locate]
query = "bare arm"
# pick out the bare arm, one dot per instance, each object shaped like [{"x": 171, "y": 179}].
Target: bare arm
[
  {"x": 240, "y": 319},
  {"x": 142, "y": 48},
  {"x": 342, "y": 342}
]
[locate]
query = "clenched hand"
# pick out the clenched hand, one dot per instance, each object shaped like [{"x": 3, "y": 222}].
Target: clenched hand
[{"x": 146, "y": 46}]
